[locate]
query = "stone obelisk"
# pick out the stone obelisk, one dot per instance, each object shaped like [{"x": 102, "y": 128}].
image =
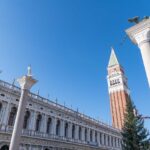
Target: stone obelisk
[
  {"x": 25, "y": 82},
  {"x": 140, "y": 35}
]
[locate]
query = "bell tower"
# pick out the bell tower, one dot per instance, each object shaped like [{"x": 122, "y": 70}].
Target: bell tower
[{"x": 118, "y": 90}]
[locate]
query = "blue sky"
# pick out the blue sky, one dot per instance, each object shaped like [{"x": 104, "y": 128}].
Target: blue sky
[{"x": 68, "y": 42}]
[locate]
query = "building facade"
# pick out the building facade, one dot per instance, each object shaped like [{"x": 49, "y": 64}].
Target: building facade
[
  {"x": 51, "y": 126},
  {"x": 118, "y": 90}
]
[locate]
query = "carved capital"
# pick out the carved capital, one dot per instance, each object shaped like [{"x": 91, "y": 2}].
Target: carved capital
[
  {"x": 140, "y": 33},
  {"x": 26, "y": 82},
  {"x": 142, "y": 37}
]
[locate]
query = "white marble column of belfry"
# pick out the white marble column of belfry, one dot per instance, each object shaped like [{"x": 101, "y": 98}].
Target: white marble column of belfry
[
  {"x": 140, "y": 35},
  {"x": 26, "y": 82}
]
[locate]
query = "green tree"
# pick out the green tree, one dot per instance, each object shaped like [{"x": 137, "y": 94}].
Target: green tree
[{"x": 135, "y": 136}]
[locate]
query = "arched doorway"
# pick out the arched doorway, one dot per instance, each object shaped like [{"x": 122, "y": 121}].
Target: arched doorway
[{"x": 5, "y": 147}]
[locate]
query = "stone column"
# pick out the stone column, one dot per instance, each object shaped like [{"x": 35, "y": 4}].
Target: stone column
[
  {"x": 93, "y": 135},
  {"x": 70, "y": 130},
  {"x": 88, "y": 135},
  {"x": 83, "y": 134},
  {"x": 106, "y": 139},
  {"x": 102, "y": 136},
  {"x": 117, "y": 145},
  {"x": 32, "y": 120},
  {"x": 98, "y": 138},
  {"x": 6, "y": 113},
  {"x": 76, "y": 132},
  {"x": 109, "y": 140},
  {"x": 112, "y": 144},
  {"x": 140, "y": 35},
  {"x": 26, "y": 82},
  {"x": 62, "y": 128},
  {"x": 44, "y": 123},
  {"x": 1, "y": 112},
  {"x": 30, "y": 147},
  {"x": 53, "y": 129}
]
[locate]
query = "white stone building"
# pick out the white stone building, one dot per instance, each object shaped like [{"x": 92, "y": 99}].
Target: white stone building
[{"x": 51, "y": 126}]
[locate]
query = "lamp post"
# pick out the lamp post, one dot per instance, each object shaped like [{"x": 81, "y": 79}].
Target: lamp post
[{"x": 26, "y": 82}]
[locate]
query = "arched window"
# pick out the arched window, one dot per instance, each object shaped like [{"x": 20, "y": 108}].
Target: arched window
[
  {"x": 112, "y": 142},
  {"x": 85, "y": 135},
  {"x": 104, "y": 139},
  {"x": 73, "y": 131},
  {"x": 80, "y": 133},
  {"x": 100, "y": 136},
  {"x": 96, "y": 137},
  {"x": 108, "y": 140},
  {"x": 12, "y": 116},
  {"x": 26, "y": 120},
  {"x": 38, "y": 122},
  {"x": 66, "y": 129},
  {"x": 91, "y": 137},
  {"x": 116, "y": 142},
  {"x": 58, "y": 128},
  {"x": 49, "y": 122}
]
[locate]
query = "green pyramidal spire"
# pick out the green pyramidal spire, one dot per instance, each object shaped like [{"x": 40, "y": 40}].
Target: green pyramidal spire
[{"x": 113, "y": 59}]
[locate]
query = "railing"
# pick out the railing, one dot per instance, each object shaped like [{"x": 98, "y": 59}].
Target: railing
[
  {"x": 36, "y": 134},
  {"x": 31, "y": 133},
  {"x": 52, "y": 103}
]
